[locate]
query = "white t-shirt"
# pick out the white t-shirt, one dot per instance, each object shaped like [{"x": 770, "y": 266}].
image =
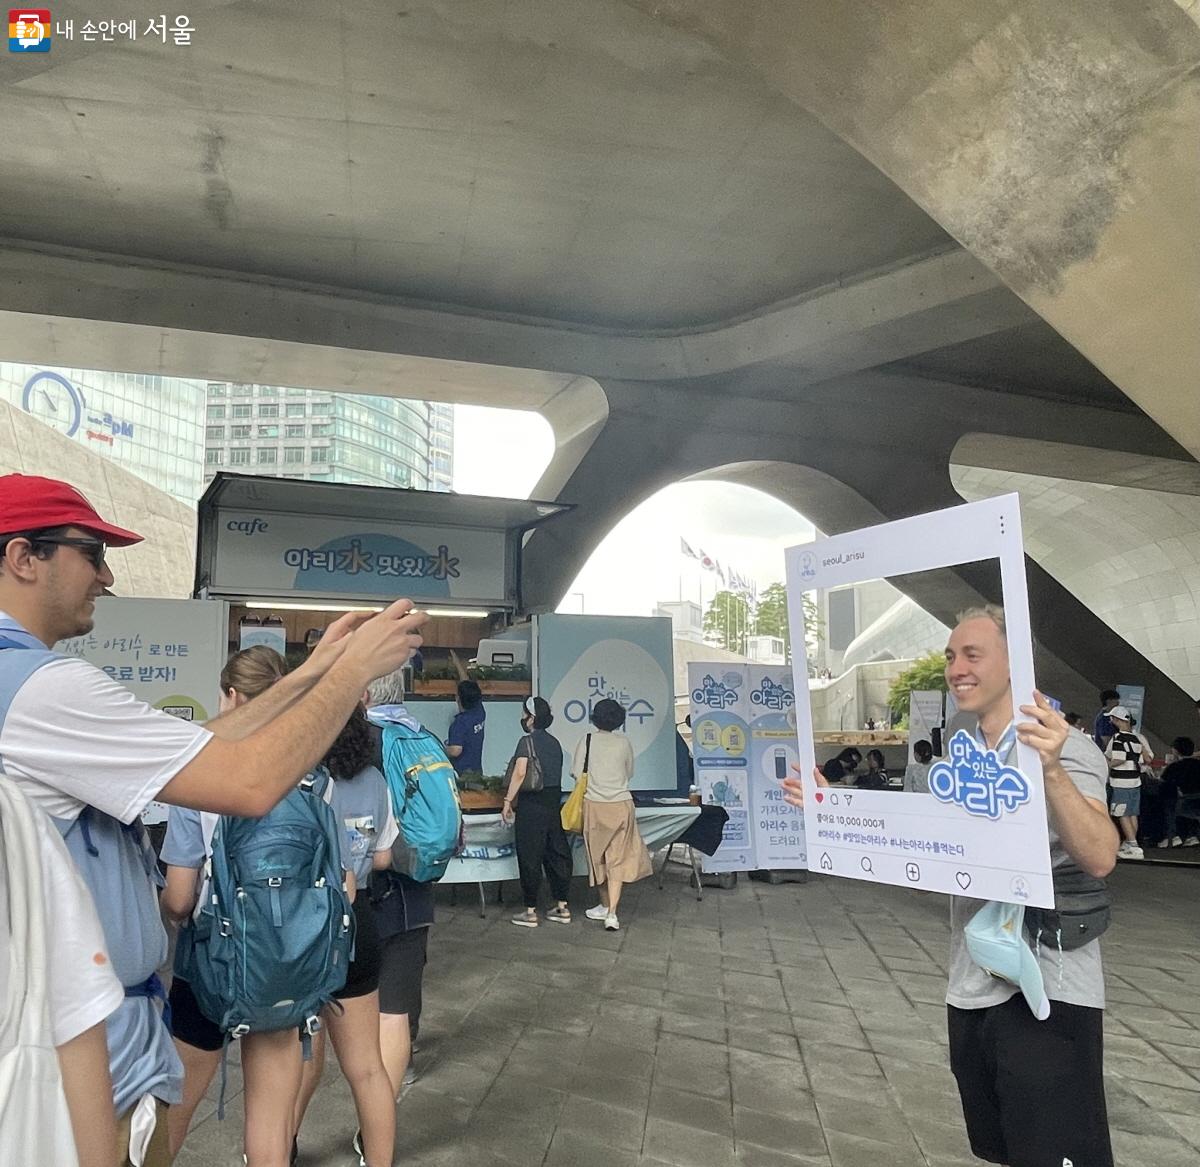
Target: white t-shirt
[
  {"x": 610, "y": 766},
  {"x": 82, "y": 987},
  {"x": 74, "y": 737}
]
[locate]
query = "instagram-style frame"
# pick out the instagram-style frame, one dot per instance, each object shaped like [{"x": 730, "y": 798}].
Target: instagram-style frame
[{"x": 984, "y": 833}]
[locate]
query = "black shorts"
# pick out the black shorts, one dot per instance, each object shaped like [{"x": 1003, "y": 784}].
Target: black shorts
[
  {"x": 404, "y": 957},
  {"x": 363, "y": 975},
  {"x": 188, "y": 1023},
  {"x": 1032, "y": 1091}
]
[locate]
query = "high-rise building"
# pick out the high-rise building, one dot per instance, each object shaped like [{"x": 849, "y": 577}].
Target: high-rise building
[
  {"x": 441, "y": 446},
  {"x": 326, "y": 437},
  {"x": 151, "y": 426}
]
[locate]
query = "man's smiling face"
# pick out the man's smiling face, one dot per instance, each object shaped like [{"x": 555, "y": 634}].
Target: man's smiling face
[{"x": 977, "y": 665}]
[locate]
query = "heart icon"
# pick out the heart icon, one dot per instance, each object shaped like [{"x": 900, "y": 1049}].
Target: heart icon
[
  {"x": 820, "y": 797},
  {"x": 963, "y": 878}
]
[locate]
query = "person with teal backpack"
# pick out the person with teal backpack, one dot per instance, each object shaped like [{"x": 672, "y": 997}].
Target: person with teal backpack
[
  {"x": 266, "y": 939},
  {"x": 425, "y": 804}
]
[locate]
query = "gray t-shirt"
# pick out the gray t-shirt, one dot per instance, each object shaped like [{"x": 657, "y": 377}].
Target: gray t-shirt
[{"x": 1075, "y": 977}]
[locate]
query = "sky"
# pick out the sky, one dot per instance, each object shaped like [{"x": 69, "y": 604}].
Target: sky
[{"x": 639, "y": 563}]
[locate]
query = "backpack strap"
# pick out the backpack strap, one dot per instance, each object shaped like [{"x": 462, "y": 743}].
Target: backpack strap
[{"x": 587, "y": 753}]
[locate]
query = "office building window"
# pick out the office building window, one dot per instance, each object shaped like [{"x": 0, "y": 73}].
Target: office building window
[
  {"x": 241, "y": 389},
  {"x": 216, "y": 388},
  {"x": 320, "y": 454},
  {"x": 268, "y": 411},
  {"x": 213, "y": 457},
  {"x": 267, "y": 455},
  {"x": 293, "y": 431},
  {"x": 295, "y": 408},
  {"x": 240, "y": 431},
  {"x": 268, "y": 431},
  {"x": 215, "y": 411},
  {"x": 240, "y": 457},
  {"x": 322, "y": 407},
  {"x": 240, "y": 410},
  {"x": 268, "y": 391},
  {"x": 322, "y": 430},
  {"x": 293, "y": 453},
  {"x": 214, "y": 433}
]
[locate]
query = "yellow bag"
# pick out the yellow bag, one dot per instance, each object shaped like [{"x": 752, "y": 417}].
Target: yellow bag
[{"x": 572, "y": 809}]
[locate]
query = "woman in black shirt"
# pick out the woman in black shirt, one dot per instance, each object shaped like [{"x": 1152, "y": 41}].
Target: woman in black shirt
[{"x": 541, "y": 841}]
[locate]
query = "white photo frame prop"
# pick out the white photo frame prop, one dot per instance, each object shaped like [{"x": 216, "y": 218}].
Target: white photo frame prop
[{"x": 982, "y": 832}]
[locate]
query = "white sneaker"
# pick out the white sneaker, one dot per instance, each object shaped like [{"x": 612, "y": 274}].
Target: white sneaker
[
  {"x": 611, "y": 923},
  {"x": 599, "y": 912},
  {"x": 1177, "y": 842},
  {"x": 1133, "y": 851},
  {"x": 1163, "y": 843},
  {"x": 1192, "y": 841}
]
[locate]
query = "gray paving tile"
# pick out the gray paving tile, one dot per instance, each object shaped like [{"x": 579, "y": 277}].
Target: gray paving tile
[
  {"x": 693, "y": 1110},
  {"x": 618, "y": 1090},
  {"x": 801, "y": 1135},
  {"x": 685, "y": 1146},
  {"x": 764, "y": 1027}
]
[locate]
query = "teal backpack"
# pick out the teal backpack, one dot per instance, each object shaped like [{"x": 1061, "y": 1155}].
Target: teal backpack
[
  {"x": 424, "y": 795},
  {"x": 273, "y": 936}
]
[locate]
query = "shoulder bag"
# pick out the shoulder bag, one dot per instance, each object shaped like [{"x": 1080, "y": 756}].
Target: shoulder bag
[{"x": 572, "y": 811}]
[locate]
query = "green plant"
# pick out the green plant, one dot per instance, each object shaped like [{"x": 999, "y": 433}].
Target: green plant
[{"x": 926, "y": 672}]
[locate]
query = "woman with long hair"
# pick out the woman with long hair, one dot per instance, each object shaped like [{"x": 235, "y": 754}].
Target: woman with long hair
[
  {"x": 271, "y": 1062},
  {"x": 364, "y": 813}
]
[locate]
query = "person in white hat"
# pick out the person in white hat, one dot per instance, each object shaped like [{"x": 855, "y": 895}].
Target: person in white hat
[{"x": 1124, "y": 753}]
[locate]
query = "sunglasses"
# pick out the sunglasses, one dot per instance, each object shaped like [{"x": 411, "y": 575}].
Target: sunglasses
[{"x": 93, "y": 550}]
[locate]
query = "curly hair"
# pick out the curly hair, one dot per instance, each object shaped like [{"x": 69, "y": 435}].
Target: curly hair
[{"x": 353, "y": 749}]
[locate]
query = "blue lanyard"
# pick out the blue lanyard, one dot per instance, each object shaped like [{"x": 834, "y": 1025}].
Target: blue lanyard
[{"x": 1005, "y": 744}]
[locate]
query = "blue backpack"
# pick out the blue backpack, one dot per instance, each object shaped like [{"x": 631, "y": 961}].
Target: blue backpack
[
  {"x": 272, "y": 938},
  {"x": 424, "y": 795}
]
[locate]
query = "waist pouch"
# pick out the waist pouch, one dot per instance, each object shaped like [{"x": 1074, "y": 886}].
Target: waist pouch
[{"x": 1082, "y": 911}]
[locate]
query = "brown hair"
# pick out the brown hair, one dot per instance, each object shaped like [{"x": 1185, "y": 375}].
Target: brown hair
[{"x": 252, "y": 671}]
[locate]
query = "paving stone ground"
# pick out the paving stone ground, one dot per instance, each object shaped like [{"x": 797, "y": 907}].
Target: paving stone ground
[{"x": 767, "y": 1026}]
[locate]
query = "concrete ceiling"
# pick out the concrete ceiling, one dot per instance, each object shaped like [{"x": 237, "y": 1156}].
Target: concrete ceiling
[{"x": 574, "y": 161}]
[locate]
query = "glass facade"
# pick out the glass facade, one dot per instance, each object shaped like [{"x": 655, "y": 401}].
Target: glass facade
[
  {"x": 154, "y": 427},
  {"x": 333, "y": 437}
]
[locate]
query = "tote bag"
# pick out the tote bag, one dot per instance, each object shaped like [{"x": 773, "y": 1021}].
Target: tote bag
[
  {"x": 572, "y": 811},
  {"x": 33, "y": 1106}
]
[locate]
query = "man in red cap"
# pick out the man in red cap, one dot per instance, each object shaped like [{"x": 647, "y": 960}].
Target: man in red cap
[{"x": 83, "y": 749}]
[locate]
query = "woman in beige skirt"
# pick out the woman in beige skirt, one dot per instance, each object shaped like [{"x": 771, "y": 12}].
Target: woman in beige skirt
[{"x": 616, "y": 853}]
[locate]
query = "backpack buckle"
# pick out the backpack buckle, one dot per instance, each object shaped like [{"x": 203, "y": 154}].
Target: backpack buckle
[
  {"x": 239, "y": 1030},
  {"x": 225, "y": 927},
  {"x": 274, "y": 881},
  {"x": 312, "y": 1026}
]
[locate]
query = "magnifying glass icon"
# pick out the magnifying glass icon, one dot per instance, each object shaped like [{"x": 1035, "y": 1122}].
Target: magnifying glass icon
[{"x": 865, "y": 864}]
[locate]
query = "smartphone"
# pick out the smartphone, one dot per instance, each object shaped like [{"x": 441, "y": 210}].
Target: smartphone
[{"x": 781, "y": 764}]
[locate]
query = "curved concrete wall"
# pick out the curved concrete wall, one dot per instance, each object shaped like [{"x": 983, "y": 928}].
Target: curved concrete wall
[
  {"x": 1132, "y": 556},
  {"x": 1056, "y": 142}
]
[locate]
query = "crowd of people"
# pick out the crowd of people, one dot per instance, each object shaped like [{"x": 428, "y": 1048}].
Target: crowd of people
[{"x": 83, "y": 757}]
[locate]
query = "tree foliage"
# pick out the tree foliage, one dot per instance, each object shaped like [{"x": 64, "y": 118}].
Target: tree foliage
[
  {"x": 926, "y": 672},
  {"x": 731, "y": 618},
  {"x": 727, "y": 621}
]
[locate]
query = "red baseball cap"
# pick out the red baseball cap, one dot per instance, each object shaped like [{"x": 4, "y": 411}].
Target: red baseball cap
[{"x": 29, "y": 503}]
